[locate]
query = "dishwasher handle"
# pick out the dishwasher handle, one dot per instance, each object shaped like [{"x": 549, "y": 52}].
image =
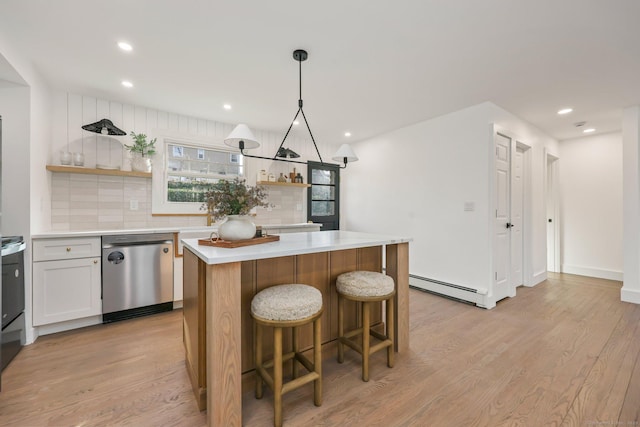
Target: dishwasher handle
[
  {"x": 115, "y": 257},
  {"x": 120, "y": 245}
]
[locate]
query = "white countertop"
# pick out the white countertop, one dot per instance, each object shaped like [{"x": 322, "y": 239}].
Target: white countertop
[
  {"x": 292, "y": 244},
  {"x": 193, "y": 229}
]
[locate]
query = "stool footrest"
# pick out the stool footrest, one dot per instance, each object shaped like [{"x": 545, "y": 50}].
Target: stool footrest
[
  {"x": 285, "y": 358},
  {"x": 379, "y": 346},
  {"x": 300, "y": 381},
  {"x": 304, "y": 361},
  {"x": 381, "y": 337},
  {"x": 354, "y": 345}
]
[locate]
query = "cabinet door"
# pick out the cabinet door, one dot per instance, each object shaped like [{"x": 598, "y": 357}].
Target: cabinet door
[{"x": 66, "y": 290}]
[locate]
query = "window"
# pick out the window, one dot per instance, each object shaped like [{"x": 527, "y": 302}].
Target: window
[
  {"x": 191, "y": 170},
  {"x": 184, "y": 171},
  {"x": 323, "y": 197}
]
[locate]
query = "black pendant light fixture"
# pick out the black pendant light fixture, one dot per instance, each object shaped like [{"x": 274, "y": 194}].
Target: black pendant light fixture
[
  {"x": 104, "y": 127},
  {"x": 242, "y": 138}
]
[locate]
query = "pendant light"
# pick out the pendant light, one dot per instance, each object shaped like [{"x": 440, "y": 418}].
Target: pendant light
[
  {"x": 104, "y": 127},
  {"x": 242, "y": 138}
]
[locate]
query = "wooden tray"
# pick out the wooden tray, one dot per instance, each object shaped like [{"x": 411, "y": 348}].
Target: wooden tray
[{"x": 238, "y": 243}]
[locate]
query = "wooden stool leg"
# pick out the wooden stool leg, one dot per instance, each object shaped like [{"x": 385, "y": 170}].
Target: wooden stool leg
[
  {"x": 258, "y": 359},
  {"x": 294, "y": 341},
  {"x": 317, "y": 361},
  {"x": 340, "y": 328},
  {"x": 390, "y": 331},
  {"x": 366, "y": 324},
  {"x": 277, "y": 377}
]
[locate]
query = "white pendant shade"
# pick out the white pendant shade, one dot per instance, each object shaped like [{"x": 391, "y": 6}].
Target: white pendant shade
[
  {"x": 241, "y": 133},
  {"x": 345, "y": 151}
]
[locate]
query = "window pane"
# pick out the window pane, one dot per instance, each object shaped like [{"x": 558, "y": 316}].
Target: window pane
[
  {"x": 322, "y": 208},
  {"x": 191, "y": 170},
  {"x": 323, "y": 192},
  {"x": 319, "y": 176}
]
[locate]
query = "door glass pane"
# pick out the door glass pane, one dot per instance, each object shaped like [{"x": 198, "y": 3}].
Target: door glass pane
[
  {"x": 320, "y": 176},
  {"x": 323, "y": 192},
  {"x": 322, "y": 208}
]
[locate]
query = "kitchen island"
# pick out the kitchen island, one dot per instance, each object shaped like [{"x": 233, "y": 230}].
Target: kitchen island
[{"x": 219, "y": 284}]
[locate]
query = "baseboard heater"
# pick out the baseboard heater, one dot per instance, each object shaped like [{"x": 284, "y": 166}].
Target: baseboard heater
[{"x": 449, "y": 290}]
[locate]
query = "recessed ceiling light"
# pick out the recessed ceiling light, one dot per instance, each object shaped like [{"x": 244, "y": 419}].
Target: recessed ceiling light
[
  {"x": 127, "y": 83},
  {"x": 565, "y": 111},
  {"x": 125, "y": 46},
  {"x": 295, "y": 122},
  {"x": 589, "y": 130},
  {"x": 226, "y": 107},
  {"x": 347, "y": 134}
]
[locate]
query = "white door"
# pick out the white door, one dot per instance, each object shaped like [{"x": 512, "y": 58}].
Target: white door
[
  {"x": 517, "y": 220},
  {"x": 502, "y": 285},
  {"x": 552, "y": 217}
]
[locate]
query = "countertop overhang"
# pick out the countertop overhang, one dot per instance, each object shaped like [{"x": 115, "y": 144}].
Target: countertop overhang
[{"x": 292, "y": 244}]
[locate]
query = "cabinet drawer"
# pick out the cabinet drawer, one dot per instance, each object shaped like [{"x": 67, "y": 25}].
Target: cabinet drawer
[{"x": 70, "y": 248}]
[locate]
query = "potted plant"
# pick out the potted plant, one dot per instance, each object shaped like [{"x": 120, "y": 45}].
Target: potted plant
[
  {"x": 234, "y": 200},
  {"x": 141, "y": 151}
]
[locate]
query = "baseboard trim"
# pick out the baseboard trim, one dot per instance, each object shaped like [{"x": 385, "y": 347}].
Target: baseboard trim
[
  {"x": 630, "y": 295},
  {"x": 68, "y": 325},
  {"x": 593, "y": 272},
  {"x": 537, "y": 279}
]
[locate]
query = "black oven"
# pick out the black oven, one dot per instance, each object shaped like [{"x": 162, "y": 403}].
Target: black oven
[{"x": 13, "y": 323}]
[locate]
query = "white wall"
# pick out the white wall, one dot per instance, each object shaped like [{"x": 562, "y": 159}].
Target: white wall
[
  {"x": 14, "y": 108},
  {"x": 26, "y": 191},
  {"x": 591, "y": 206},
  {"x": 415, "y": 181},
  {"x": 631, "y": 192}
]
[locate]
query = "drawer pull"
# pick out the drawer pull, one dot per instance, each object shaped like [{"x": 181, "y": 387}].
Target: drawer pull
[
  {"x": 95, "y": 261},
  {"x": 68, "y": 249}
]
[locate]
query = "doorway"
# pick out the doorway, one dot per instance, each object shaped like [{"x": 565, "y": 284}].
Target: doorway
[
  {"x": 553, "y": 214},
  {"x": 323, "y": 197},
  {"x": 512, "y": 183}
]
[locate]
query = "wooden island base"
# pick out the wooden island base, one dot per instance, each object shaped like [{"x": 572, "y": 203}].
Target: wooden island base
[{"x": 217, "y": 325}]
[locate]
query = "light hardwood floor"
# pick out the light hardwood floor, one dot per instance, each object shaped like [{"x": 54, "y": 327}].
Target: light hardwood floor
[{"x": 563, "y": 353}]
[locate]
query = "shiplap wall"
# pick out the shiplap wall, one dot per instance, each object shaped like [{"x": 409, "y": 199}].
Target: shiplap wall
[{"x": 72, "y": 111}]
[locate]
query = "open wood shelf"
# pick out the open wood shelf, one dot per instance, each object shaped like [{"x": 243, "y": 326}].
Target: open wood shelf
[
  {"x": 283, "y": 184},
  {"x": 91, "y": 171}
]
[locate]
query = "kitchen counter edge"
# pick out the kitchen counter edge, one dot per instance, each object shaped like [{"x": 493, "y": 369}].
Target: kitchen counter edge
[{"x": 204, "y": 229}]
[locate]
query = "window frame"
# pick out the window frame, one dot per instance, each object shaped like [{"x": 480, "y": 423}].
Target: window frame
[{"x": 161, "y": 173}]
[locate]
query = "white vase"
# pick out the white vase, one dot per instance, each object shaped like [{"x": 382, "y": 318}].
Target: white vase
[
  {"x": 140, "y": 163},
  {"x": 237, "y": 227}
]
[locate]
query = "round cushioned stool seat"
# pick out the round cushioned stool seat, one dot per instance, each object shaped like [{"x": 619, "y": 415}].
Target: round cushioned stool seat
[
  {"x": 364, "y": 284},
  {"x": 287, "y": 302}
]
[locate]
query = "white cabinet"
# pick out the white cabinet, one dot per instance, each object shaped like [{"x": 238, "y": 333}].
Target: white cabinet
[{"x": 66, "y": 279}]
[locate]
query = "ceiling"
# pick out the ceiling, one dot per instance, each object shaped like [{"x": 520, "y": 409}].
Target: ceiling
[{"x": 373, "y": 65}]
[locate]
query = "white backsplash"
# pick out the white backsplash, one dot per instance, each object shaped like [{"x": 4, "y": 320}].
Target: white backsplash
[{"x": 99, "y": 202}]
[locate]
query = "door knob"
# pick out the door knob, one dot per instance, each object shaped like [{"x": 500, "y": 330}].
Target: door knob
[{"x": 509, "y": 225}]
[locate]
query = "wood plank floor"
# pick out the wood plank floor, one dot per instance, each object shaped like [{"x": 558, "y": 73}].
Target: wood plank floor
[{"x": 563, "y": 353}]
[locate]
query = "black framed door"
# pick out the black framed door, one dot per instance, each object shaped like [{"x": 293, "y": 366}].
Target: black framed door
[{"x": 323, "y": 197}]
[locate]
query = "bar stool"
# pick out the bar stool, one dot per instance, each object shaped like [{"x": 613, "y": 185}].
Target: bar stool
[
  {"x": 366, "y": 288},
  {"x": 287, "y": 306}
]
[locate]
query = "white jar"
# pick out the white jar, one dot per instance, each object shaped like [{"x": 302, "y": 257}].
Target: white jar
[
  {"x": 78, "y": 159},
  {"x": 65, "y": 158}
]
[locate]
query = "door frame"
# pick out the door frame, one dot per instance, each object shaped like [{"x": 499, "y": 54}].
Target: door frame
[
  {"x": 552, "y": 193},
  {"x": 527, "y": 250}
]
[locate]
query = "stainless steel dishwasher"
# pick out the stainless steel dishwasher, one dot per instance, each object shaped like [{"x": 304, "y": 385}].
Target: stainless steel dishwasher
[{"x": 137, "y": 275}]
